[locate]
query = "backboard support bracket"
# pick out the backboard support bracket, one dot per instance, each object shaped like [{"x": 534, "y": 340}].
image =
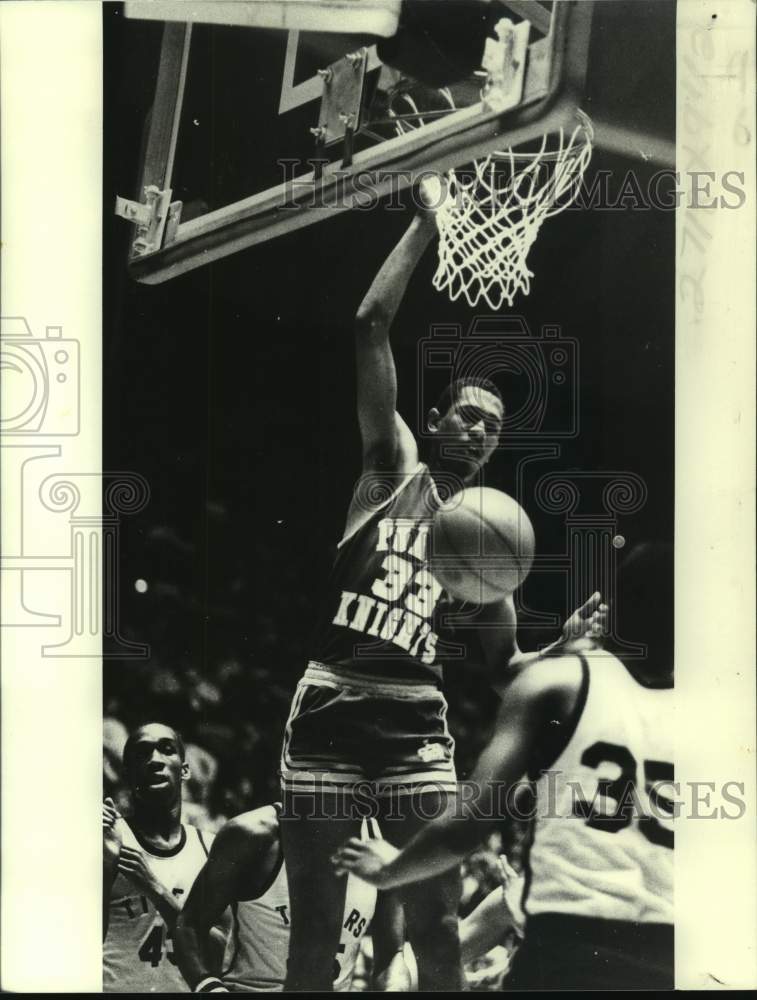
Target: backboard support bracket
[
  {"x": 342, "y": 99},
  {"x": 150, "y": 217}
]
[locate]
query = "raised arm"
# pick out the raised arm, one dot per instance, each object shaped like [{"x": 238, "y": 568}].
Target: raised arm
[
  {"x": 504, "y": 658},
  {"x": 239, "y": 854},
  {"x": 388, "y": 444}
]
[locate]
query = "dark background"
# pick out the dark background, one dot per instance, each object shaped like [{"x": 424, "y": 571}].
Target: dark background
[{"x": 231, "y": 390}]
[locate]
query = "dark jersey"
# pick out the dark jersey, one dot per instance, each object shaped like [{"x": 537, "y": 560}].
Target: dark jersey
[{"x": 384, "y": 613}]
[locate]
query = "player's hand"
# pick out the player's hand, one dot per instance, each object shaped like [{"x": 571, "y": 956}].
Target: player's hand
[
  {"x": 507, "y": 871},
  {"x": 133, "y": 864},
  {"x": 587, "y": 622},
  {"x": 110, "y": 813},
  {"x": 487, "y": 972},
  {"x": 368, "y": 859},
  {"x": 431, "y": 193},
  {"x": 111, "y": 831}
]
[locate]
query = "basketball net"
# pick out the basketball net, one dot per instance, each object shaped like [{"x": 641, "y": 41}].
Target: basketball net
[{"x": 494, "y": 208}]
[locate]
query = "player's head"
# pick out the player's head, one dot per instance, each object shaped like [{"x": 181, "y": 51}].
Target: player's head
[
  {"x": 644, "y": 607},
  {"x": 154, "y": 763},
  {"x": 466, "y": 422}
]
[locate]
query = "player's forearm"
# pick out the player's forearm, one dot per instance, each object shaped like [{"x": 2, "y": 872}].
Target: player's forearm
[
  {"x": 166, "y": 904},
  {"x": 192, "y": 948},
  {"x": 585, "y": 624},
  {"x": 380, "y": 305},
  {"x": 519, "y": 659},
  {"x": 484, "y": 928},
  {"x": 436, "y": 848},
  {"x": 476, "y": 940},
  {"x": 110, "y": 871}
]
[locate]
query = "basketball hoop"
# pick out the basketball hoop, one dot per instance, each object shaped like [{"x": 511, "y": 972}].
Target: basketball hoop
[
  {"x": 494, "y": 210},
  {"x": 495, "y": 206}
]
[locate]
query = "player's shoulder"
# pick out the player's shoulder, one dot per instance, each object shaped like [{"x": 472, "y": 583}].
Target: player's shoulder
[
  {"x": 551, "y": 687},
  {"x": 255, "y": 828},
  {"x": 565, "y": 672},
  {"x": 604, "y": 662}
]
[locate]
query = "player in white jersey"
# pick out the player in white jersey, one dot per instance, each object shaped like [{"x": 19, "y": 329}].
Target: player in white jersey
[
  {"x": 246, "y": 871},
  {"x": 595, "y": 735},
  {"x": 150, "y": 861}
]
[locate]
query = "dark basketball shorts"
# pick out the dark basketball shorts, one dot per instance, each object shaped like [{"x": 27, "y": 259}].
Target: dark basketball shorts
[
  {"x": 347, "y": 730},
  {"x": 571, "y": 953}
]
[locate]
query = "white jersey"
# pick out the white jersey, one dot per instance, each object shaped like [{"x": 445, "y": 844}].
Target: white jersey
[
  {"x": 137, "y": 951},
  {"x": 258, "y": 946},
  {"x": 591, "y": 857}
]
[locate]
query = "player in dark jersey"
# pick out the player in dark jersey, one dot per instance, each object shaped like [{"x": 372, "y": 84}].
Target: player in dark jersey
[
  {"x": 594, "y": 735},
  {"x": 368, "y": 712}
]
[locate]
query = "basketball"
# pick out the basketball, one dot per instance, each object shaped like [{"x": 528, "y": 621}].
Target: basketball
[{"x": 482, "y": 545}]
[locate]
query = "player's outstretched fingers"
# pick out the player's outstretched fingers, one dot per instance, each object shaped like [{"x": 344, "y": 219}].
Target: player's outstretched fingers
[
  {"x": 599, "y": 622},
  {"x": 368, "y": 859},
  {"x": 347, "y": 857},
  {"x": 506, "y": 869},
  {"x": 591, "y": 605},
  {"x": 353, "y": 846},
  {"x": 110, "y": 813},
  {"x": 133, "y": 864},
  {"x": 131, "y": 859},
  {"x": 579, "y": 624}
]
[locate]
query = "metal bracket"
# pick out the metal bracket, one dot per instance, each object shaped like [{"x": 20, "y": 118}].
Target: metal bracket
[
  {"x": 505, "y": 65},
  {"x": 342, "y": 100},
  {"x": 150, "y": 218}
]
